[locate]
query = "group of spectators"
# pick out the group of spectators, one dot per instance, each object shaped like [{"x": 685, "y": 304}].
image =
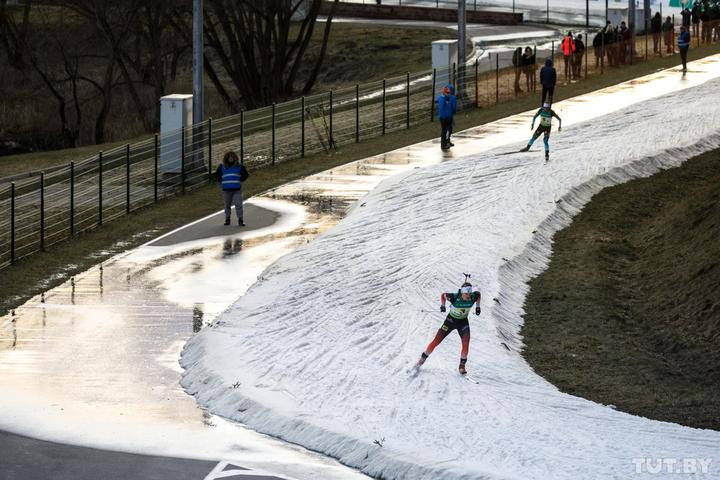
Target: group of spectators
[
  {"x": 525, "y": 64},
  {"x": 667, "y": 28},
  {"x": 573, "y": 49},
  {"x": 704, "y": 18},
  {"x": 613, "y": 42}
]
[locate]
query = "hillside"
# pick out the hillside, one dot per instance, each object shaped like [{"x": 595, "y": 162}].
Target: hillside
[{"x": 628, "y": 313}]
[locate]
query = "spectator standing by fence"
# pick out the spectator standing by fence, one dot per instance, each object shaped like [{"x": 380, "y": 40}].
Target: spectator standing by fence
[
  {"x": 578, "y": 57},
  {"x": 655, "y": 29},
  {"x": 598, "y": 46},
  {"x": 695, "y": 19},
  {"x": 686, "y": 16},
  {"x": 528, "y": 62},
  {"x": 231, "y": 173},
  {"x": 684, "y": 45},
  {"x": 668, "y": 31},
  {"x": 517, "y": 66},
  {"x": 622, "y": 43},
  {"x": 610, "y": 38},
  {"x": 568, "y": 49},
  {"x": 705, "y": 30},
  {"x": 548, "y": 79},
  {"x": 447, "y": 105}
]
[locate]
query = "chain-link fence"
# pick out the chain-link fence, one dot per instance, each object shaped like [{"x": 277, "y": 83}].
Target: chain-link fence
[{"x": 49, "y": 207}]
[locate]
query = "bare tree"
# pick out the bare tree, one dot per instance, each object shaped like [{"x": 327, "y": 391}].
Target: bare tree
[
  {"x": 27, "y": 49},
  {"x": 259, "y": 50}
]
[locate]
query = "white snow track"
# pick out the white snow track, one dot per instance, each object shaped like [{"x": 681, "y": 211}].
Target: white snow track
[{"x": 318, "y": 351}]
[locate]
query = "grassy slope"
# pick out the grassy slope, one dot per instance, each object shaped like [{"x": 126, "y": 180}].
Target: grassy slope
[
  {"x": 43, "y": 270},
  {"x": 628, "y": 313}
]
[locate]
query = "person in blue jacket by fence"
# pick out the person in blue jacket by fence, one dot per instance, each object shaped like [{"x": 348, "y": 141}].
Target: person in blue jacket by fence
[
  {"x": 231, "y": 173},
  {"x": 684, "y": 45},
  {"x": 447, "y": 105}
]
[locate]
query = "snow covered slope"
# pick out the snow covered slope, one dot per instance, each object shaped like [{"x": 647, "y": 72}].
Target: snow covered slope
[{"x": 317, "y": 351}]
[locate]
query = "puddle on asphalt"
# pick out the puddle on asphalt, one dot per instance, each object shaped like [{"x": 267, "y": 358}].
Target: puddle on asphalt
[{"x": 95, "y": 360}]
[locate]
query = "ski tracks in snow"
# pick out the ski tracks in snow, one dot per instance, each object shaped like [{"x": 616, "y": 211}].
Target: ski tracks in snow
[{"x": 322, "y": 344}]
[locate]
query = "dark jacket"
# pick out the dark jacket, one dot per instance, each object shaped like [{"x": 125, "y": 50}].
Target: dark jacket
[
  {"x": 656, "y": 24},
  {"x": 686, "y": 17},
  {"x": 548, "y": 76},
  {"x": 667, "y": 26},
  {"x": 695, "y": 18},
  {"x": 579, "y": 48},
  {"x": 447, "y": 105}
]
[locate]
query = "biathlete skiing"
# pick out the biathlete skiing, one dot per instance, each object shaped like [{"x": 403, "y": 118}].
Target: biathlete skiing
[
  {"x": 546, "y": 113},
  {"x": 457, "y": 319}
]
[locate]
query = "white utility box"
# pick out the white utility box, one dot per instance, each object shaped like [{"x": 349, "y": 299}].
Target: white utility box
[
  {"x": 444, "y": 54},
  {"x": 176, "y": 112}
]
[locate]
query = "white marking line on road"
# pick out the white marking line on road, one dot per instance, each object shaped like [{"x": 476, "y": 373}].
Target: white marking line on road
[{"x": 220, "y": 472}]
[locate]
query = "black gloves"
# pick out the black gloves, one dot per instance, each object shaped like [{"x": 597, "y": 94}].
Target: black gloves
[
  {"x": 442, "y": 308},
  {"x": 477, "y": 311}
]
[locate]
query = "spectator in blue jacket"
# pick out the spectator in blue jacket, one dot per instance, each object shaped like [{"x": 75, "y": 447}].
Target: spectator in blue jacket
[
  {"x": 684, "y": 45},
  {"x": 230, "y": 173},
  {"x": 548, "y": 78},
  {"x": 447, "y": 106}
]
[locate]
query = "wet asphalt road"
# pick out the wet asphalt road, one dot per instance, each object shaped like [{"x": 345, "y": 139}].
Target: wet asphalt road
[{"x": 23, "y": 458}]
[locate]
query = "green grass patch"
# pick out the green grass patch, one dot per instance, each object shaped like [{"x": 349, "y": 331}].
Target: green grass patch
[
  {"x": 628, "y": 312},
  {"x": 43, "y": 270}
]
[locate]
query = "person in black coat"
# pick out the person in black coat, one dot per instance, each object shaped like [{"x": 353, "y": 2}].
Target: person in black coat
[
  {"x": 656, "y": 29},
  {"x": 578, "y": 56},
  {"x": 598, "y": 47},
  {"x": 548, "y": 79},
  {"x": 695, "y": 19}
]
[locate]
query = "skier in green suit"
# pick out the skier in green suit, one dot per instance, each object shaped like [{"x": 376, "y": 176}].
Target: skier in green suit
[
  {"x": 546, "y": 114},
  {"x": 457, "y": 319}
]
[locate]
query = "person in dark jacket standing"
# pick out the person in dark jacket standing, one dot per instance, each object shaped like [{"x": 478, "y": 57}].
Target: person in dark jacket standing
[
  {"x": 655, "y": 29},
  {"x": 578, "y": 56},
  {"x": 548, "y": 79},
  {"x": 686, "y": 14},
  {"x": 695, "y": 19},
  {"x": 230, "y": 172},
  {"x": 447, "y": 105},
  {"x": 529, "y": 68},
  {"x": 668, "y": 33},
  {"x": 684, "y": 45},
  {"x": 598, "y": 47}
]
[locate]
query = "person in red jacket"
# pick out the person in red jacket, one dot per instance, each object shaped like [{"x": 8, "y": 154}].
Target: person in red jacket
[{"x": 568, "y": 48}]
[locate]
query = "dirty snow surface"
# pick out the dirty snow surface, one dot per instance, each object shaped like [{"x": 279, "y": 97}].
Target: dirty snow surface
[{"x": 318, "y": 351}]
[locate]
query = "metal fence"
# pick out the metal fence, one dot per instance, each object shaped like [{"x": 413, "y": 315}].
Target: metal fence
[{"x": 49, "y": 207}]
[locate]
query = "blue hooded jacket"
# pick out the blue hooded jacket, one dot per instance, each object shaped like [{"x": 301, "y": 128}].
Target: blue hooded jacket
[
  {"x": 447, "y": 106},
  {"x": 548, "y": 76},
  {"x": 684, "y": 39}
]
